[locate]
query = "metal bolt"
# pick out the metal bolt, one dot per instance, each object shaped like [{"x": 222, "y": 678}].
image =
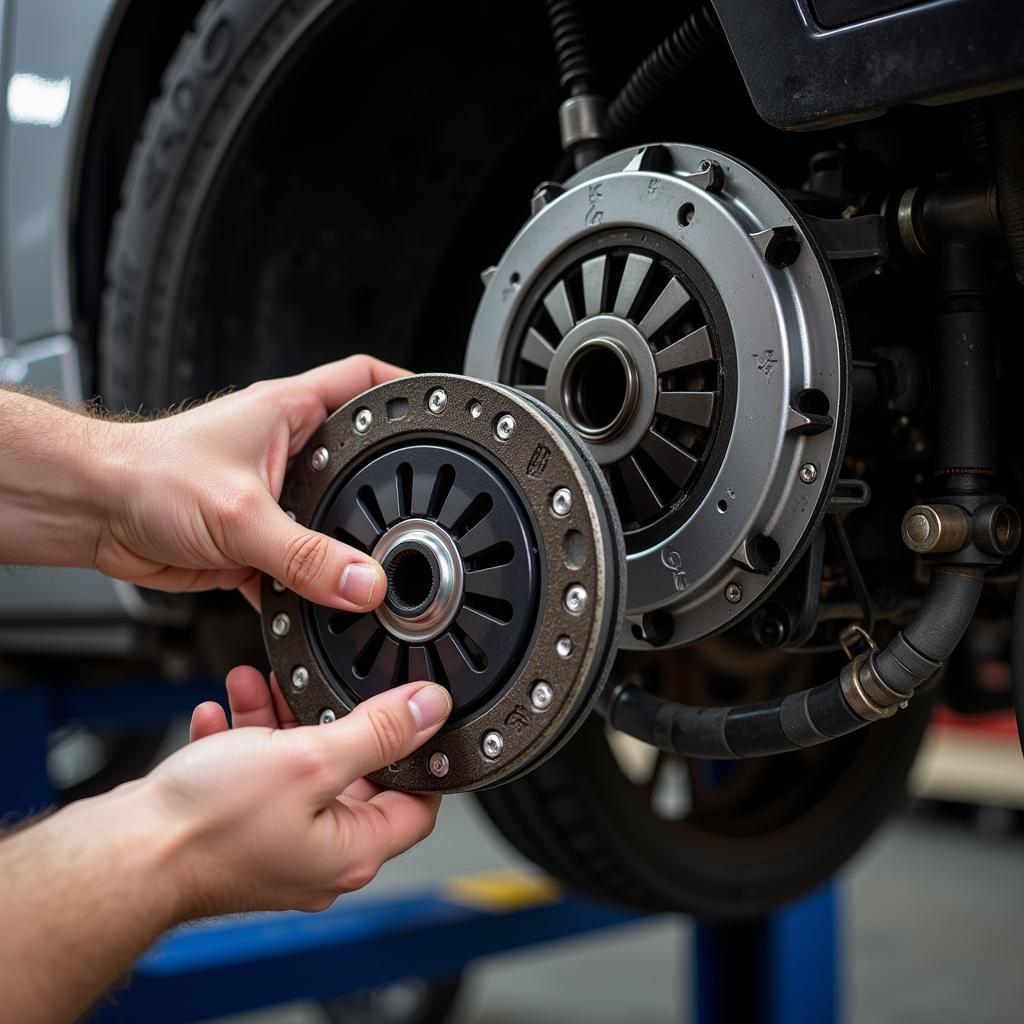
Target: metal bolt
[
  {"x": 437, "y": 401},
  {"x": 280, "y": 624},
  {"x": 808, "y": 472},
  {"x": 438, "y": 764},
  {"x": 362, "y": 421},
  {"x": 542, "y": 696},
  {"x": 575, "y": 599},
  {"x": 493, "y": 745},
  {"x": 561, "y": 502},
  {"x": 734, "y": 593},
  {"x": 564, "y": 646},
  {"x": 327, "y": 716},
  {"x": 505, "y": 427},
  {"x": 278, "y": 587},
  {"x": 935, "y": 529},
  {"x": 300, "y": 677},
  {"x": 475, "y": 410},
  {"x": 321, "y": 456}
]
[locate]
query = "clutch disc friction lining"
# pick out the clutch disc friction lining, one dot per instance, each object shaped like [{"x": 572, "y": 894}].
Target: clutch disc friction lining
[{"x": 505, "y": 565}]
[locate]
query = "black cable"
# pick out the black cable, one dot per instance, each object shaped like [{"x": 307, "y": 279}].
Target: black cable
[
  {"x": 1008, "y": 136},
  {"x": 576, "y": 70},
  {"x": 697, "y": 36}
]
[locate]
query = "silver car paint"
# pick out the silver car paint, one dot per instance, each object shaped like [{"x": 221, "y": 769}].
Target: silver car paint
[{"x": 51, "y": 56}]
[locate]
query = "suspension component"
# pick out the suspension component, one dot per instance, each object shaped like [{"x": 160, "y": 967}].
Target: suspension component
[{"x": 504, "y": 564}]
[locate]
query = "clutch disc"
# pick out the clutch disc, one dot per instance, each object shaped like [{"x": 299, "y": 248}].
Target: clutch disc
[{"x": 505, "y": 566}]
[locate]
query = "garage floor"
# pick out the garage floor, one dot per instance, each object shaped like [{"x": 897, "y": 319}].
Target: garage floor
[{"x": 936, "y": 934}]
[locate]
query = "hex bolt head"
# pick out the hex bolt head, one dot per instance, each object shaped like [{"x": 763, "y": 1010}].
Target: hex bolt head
[
  {"x": 542, "y": 696},
  {"x": 300, "y": 678},
  {"x": 362, "y": 420},
  {"x": 576, "y": 599},
  {"x": 493, "y": 744},
  {"x": 438, "y": 764},
  {"x": 280, "y": 624},
  {"x": 734, "y": 593},
  {"x": 561, "y": 502},
  {"x": 327, "y": 716},
  {"x": 321, "y": 456},
  {"x": 475, "y": 410},
  {"x": 808, "y": 473},
  {"x": 437, "y": 400},
  {"x": 504, "y": 428},
  {"x": 563, "y": 646}
]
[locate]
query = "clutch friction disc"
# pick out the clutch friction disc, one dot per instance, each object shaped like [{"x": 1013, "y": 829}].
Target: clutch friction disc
[{"x": 505, "y": 565}]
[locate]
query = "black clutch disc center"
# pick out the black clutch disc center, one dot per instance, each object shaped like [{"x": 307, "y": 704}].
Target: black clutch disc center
[
  {"x": 456, "y": 546},
  {"x": 505, "y": 568}
]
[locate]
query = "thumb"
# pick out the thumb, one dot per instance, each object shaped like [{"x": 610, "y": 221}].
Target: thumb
[
  {"x": 380, "y": 731},
  {"x": 317, "y": 567}
]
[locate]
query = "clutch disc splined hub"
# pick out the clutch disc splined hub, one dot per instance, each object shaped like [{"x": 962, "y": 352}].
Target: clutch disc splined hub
[{"x": 505, "y": 568}]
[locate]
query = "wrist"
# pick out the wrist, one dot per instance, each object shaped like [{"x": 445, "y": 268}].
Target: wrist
[{"x": 122, "y": 841}]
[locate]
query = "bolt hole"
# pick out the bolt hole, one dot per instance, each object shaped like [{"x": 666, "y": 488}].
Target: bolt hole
[
  {"x": 813, "y": 402},
  {"x": 723, "y": 506},
  {"x": 766, "y": 551},
  {"x": 515, "y": 278},
  {"x": 685, "y": 215},
  {"x": 575, "y": 550}
]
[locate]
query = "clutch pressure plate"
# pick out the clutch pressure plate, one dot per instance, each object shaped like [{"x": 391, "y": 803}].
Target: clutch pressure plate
[{"x": 505, "y": 566}]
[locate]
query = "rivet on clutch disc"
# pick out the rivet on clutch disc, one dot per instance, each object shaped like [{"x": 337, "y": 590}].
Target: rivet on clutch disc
[
  {"x": 327, "y": 716},
  {"x": 437, "y": 401},
  {"x": 575, "y": 599},
  {"x": 300, "y": 677},
  {"x": 320, "y": 458},
  {"x": 493, "y": 745},
  {"x": 280, "y": 624},
  {"x": 564, "y": 646},
  {"x": 561, "y": 502},
  {"x": 362, "y": 421},
  {"x": 504, "y": 428},
  {"x": 438, "y": 764},
  {"x": 542, "y": 696}
]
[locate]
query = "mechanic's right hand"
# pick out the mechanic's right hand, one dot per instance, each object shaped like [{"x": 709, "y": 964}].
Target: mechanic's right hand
[{"x": 275, "y": 818}]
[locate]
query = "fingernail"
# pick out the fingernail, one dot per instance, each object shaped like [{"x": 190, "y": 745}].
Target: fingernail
[
  {"x": 358, "y": 582},
  {"x": 430, "y": 706}
]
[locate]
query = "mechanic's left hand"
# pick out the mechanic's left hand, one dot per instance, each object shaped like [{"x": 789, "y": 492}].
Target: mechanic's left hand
[{"x": 194, "y": 498}]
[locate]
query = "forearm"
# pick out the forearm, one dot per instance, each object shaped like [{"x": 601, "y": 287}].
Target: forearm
[
  {"x": 57, "y": 471},
  {"x": 82, "y": 895}
]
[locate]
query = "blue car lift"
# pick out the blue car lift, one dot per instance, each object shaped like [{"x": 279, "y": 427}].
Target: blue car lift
[{"x": 782, "y": 969}]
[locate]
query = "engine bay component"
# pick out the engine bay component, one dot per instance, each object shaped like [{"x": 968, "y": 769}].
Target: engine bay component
[
  {"x": 505, "y": 570},
  {"x": 676, "y": 310}
]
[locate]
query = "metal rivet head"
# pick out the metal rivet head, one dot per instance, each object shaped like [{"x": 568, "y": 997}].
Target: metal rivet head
[
  {"x": 734, "y": 593},
  {"x": 437, "y": 400},
  {"x": 362, "y": 421},
  {"x": 475, "y": 410},
  {"x": 327, "y": 716},
  {"x": 321, "y": 456},
  {"x": 505, "y": 427},
  {"x": 290, "y": 514},
  {"x": 561, "y": 502},
  {"x": 542, "y": 696},
  {"x": 493, "y": 744},
  {"x": 278, "y": 586},
  {"x": 300, "y": 678},
  {"x": 808, "y": 472},
  {"x": 280, "y": 624},
  {"x": 576, "y": 599},
  {"x": 438, "y": 764},
  {"x": 563, "y": 646}
]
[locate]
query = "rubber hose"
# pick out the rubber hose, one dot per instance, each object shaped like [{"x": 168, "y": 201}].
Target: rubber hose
[
  {"x": 697, "y": 36},
  {"x": 809, "y": 717},
  {"x": 1008, "y": 137},
  {"x": 576, "y": 71},
  {"x": 1017, "y": 657}
]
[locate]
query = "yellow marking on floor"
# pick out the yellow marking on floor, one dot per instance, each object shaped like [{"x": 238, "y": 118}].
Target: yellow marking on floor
[{"x": 497, "y": 891}]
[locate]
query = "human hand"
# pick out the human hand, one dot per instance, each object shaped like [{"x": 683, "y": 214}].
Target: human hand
[
  {"x": 273, "y": 815},
  {"x": 193, "y": 503}
]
